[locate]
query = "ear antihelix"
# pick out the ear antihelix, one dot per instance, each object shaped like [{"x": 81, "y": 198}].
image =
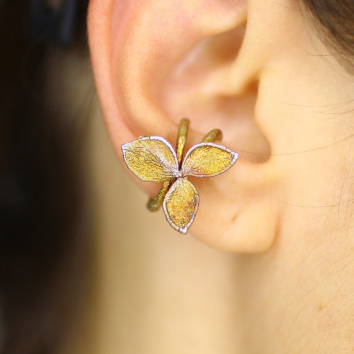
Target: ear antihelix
[{"x": 151, "y": 159}]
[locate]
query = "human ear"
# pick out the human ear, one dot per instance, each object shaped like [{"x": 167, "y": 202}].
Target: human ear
[{"x": 157, "y": 61}]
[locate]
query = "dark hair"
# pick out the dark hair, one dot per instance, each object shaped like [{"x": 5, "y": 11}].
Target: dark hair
[
  {"x": 43, "y": 218},
  {"x": 336, "y": 19}
]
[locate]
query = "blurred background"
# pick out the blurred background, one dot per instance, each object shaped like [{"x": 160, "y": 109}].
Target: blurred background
[
  {"x": 84, "y": 268},
  {"x": 60, "y": 182}
]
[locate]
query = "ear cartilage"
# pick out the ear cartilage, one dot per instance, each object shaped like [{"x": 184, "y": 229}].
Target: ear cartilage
[{"x": 152, "y": 159}]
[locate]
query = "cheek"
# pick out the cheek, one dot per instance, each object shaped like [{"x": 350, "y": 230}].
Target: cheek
[{"x": 301, "y": 290}]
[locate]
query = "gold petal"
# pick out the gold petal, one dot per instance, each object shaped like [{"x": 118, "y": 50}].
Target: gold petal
[
  {"x": 208, "y": 160},
  {"x": 151, "y": 159},
  {"x": 181, "y": 204}
]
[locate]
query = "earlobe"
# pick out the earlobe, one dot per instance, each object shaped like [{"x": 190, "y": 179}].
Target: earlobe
[
  {"x": 254, "y": 229},
  {"x": 148, "y": 55}
]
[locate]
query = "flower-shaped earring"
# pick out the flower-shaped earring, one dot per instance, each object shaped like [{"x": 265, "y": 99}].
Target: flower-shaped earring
[{"x": 152, "y": 159}]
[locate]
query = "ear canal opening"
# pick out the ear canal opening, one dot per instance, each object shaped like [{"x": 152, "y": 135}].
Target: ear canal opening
[{"x": 199, "y": 86}]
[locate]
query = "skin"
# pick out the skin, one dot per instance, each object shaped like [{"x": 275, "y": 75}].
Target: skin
[{"x": 282, "y": 277}]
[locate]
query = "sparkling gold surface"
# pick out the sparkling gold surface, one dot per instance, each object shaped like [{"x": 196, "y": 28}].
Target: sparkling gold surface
[
  {"x": 213, "y": 135},
  {"x": 181, "y": 138},
  {"x": 181, "y": 204},
  {"x": 207, "y": 160},
  {"x": 151, "y": 159},
  {"x": 156, "y": 203}
]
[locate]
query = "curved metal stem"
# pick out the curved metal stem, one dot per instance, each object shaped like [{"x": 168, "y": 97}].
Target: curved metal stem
[
  {"x": 181, "y": 138},
  {"x": 156, "y": 203},
  {"x": 215, "y": 134}
]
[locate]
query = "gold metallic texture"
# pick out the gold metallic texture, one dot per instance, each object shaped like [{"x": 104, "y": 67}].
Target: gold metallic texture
[
  {"x": 213, "y": 135},
  {"x": 181, "y": 138},
  {"x": 156, "y": 203},
  {"x": 181, "y": 204},
  {"x": 208, "y": 160},
  {"x": 153, "y": 159}
]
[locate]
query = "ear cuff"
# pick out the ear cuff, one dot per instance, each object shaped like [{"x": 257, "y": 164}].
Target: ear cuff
[
  {"x": 153, "y": 159},
  {"x": 154, "y": 204}
]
